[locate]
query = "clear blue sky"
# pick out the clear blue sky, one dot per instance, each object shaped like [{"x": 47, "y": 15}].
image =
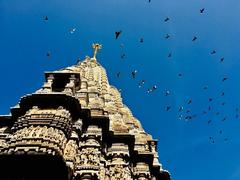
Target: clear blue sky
[{"x": 184, "y": 147}]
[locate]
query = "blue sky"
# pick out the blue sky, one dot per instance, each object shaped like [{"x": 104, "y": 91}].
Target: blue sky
[{"x": 184, "y": 146}]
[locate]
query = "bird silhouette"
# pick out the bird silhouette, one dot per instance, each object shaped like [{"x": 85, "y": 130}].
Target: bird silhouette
[
  {"x": 205, "y": 87},
  {"x": 141, "y": 40},
  {"x": 149, "y": 90},
  {"x": 167, "y": 19},
  {"x": 213, "y": 52},
  {"x": 167, "y": 36},
  {"x": 224, "y": 79},
  {"x": 48, "y": 54},
  {"x": 72, "y": 30},
  {"x": 117, "y": 34},
  {"x": 180, "y": 109},
  {"x": 154, "y": 87},
  {"x": 140, "y": 84},
  {"x": 211, "y": 140},
  {"x": 194, "y": 38},
  {"x": 118, "y": 74},
  {"x": 167, "y": 93},
  {"x": 224, "y": 119},
  {"x": 202, "y": 10},
  {"x": 46, "y": 18},
  {"x": 134, "y": 73},
  {"x": 222, "y": 59},
  {"x": 123, "y": 56},
  {"x": 168, "y": 108},
  {"x": 189, "y": 101},
  {"x": 209, "y": 108},
  {"x": 170, "y": 55}
]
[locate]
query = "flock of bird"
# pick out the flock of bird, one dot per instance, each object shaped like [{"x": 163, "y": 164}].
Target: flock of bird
[{"x": 185, "y": 115}]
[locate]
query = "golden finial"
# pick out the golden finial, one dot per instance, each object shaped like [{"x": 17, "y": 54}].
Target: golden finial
[{"x": 96, "y": 47}]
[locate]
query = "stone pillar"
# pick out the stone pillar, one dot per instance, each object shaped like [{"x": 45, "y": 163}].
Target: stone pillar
[
  {"x": 89, "y": 153},
  {"x": 119, "y": 163},
  {"x": 141, "y": 171}
]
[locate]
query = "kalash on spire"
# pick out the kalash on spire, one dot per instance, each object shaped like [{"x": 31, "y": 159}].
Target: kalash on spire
[{"x": 76, "y": 127}]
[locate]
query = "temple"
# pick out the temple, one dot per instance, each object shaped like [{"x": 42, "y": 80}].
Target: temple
[{"x": 76, "y": 127}]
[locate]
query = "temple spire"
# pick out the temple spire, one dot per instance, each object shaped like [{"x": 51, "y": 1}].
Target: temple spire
[{"x": 96, "y": 47}]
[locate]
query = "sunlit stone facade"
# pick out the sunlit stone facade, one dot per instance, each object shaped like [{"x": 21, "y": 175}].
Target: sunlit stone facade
[{"x": 76, "y": 127}]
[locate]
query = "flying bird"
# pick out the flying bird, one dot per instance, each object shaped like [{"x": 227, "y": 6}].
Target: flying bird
[
  {"x": 46, "y": 18},
  {"x": 149, "y": 90},
  {"x": 224, "y": 119},
  {"x": 134, "y": 73},
  {"x": 222, "y": 59},
  {"x": 118, "y": 74},
  {"x": 170, "y": 55},
  {"x": 140, "y": 84},
  {"x": 205, "y": 87},
  {"x": 180, "y": 117},
  {"x": 209, "y": 108},
  {"x": 209, "y": 121},
  {"x": 167, "y": 19},
  {"x": 123, "y": 56},
  {"x": 168, "y": 108},
  {"x": 154, "y": 87},
  {"x": 224, "y": 79},
  {"x": 141, "y": 40},
  {"x": 189, "y": 101},
  {"x": 213, "y": 52},
  {"x": 72, "y": 30},
  {"x": 194, "y": 38},
  {"x": 167, "y": 93},
  {"x": 48, "y": 54},
  {"x": 202, "y": 10},
  {"x": 117, "y": 34},
  {"x": 167, "y": 36},
  {"x": 180, "y": 109},
  {"x": 211, "y": 139}
]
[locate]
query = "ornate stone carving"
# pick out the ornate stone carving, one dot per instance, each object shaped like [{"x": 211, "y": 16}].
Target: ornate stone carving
[{"x": 70, "y": 150}]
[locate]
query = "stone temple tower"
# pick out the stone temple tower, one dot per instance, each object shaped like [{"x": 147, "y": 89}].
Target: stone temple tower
[{"x": 76, "y": 127}]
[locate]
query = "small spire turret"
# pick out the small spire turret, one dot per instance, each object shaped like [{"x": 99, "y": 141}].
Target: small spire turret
[{"x": 96, "y": 47}]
